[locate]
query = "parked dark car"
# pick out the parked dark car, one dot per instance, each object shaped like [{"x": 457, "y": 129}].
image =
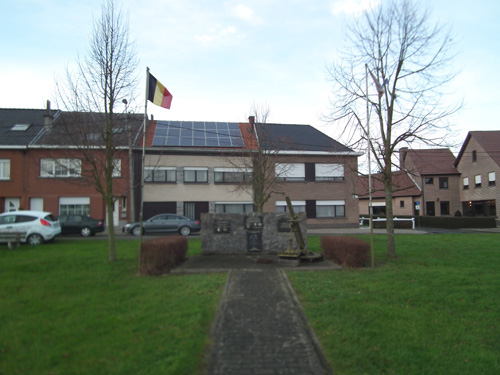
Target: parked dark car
[
  {"x": 85, "y": 225},
  {"x": 164, "y": 223}
]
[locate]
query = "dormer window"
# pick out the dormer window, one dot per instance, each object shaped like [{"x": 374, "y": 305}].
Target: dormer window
[{"x": 20, "y": 127}]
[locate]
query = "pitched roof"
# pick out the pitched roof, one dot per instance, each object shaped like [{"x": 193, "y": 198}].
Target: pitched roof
[
  {"x": 234, "y": 136},
  {"x": 297, "y": 138},
  {"x": 32, "y": 117},
  {"x": 403, "y": 186},
  {"x": 84, "y": 129},
  {"x": 489, "y": 141},
  {"x": 433, "y": 161}
]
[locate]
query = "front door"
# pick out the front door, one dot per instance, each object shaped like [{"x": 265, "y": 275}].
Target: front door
[
  {"x": 12, "y": 204},
  {"x": 193, "y": 210},
  {"x": 116, "y": 213},
  {"x": 430, "y": 209}
]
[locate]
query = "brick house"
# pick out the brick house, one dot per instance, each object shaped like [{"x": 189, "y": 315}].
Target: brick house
[
  {"x": 405, "y": 197},
  {"x": 435, "y": 174},
  {"x": 197, "y": 167},
  {"x": 479, "y": 163},
  {"x": 19, "y": 130},
  {"x": 48, "y": 172}
]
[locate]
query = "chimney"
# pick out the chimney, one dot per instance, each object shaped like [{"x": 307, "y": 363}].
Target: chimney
[
  {"x": 48, "y": 119},
  {"x": 402, "y": 157},
  {"x": 251, "y": 120}
]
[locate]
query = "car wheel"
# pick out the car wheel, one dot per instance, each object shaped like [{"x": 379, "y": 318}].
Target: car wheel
[
  {"x": 185, "y": 230},
  {"x": 35, "y": 239},
  {"x": 136, "y": 231},
  {"x": 86, "y": 232}
]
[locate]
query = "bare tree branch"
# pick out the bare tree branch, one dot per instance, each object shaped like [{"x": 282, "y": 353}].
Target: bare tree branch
[{"x": 411, "y": 59}]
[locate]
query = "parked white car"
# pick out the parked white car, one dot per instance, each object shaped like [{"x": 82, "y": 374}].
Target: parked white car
[{"x": 39, "y": 226}]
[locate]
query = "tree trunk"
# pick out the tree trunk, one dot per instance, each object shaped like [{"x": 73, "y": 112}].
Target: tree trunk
[
  {"x": 111, "y": 230},
  {"x": 391, "y": 246}
]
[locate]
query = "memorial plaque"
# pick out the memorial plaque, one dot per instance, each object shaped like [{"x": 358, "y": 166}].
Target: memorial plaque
[
  {"x": 222, "y": 226},
  {"x": 283, "y": 225},
  {"x": 254, "y": 223},
  {"x": 254, "y": 241}
]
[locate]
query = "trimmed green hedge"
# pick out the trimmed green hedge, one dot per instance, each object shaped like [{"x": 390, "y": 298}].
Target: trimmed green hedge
[{"x": 455, "y": 222}]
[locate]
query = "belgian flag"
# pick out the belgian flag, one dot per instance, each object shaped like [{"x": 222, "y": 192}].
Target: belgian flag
[{"x": 158, "y": 94}]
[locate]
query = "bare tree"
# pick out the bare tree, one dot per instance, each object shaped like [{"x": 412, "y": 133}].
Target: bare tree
[
  {"x": 93, "y": 93},
  {"x": 396, "y": 50},
  {"x": 260, "y": 157}
]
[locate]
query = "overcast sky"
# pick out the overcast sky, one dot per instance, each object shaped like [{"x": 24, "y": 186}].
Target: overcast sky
[{"x": 219, "y": 57}]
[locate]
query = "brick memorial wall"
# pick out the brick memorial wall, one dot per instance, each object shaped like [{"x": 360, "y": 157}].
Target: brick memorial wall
[{"x": 253, "y": 233}]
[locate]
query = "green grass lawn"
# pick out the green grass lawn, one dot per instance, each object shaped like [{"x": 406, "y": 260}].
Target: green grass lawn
[
  {"x": 64, "y": 309},
  {"x": 434, "y": 310}
]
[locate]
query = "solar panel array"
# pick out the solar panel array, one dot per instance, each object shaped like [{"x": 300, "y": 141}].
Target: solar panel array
[{"x": 197, "y": 134}]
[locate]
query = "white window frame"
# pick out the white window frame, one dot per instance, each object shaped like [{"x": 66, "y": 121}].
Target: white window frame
[
  {"x": 232, "y": 175},
  {"x": 51, "y": 168},
  {"x": 477, "y": 180},
  {"x": 117, "y": 168},
  {"x": 149, "y": 174},
  {"x": 492, "y": 179},
  {"x": 221, "y": 207},
  {"x": 328, "y": 209},
  {"x": 4, "y": 169},
  {"x": 466, "y": 183},
  {"x": 329, "y": 171},
  {"x": 74, "y": 205},
  {"x": 196, "y": 170},
  {"x": 290, "y": 171},
  {"x": 298, "y": 206}
]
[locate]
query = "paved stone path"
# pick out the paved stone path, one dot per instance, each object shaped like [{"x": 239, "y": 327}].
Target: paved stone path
[{"x": 260, "y": 329}]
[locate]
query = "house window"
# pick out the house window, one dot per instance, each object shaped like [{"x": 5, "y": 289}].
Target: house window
[
  {"x": 124, "y": 204},
  {"x": 429, "y": 180},
  {"x": 233, "y": 208},
  {"x": 401, "y": 204},
  {"x": 195, "y": 174},
  {"x": 443, "y": 182},
  {"x": 477, "y": 180},
  {"x": 4, "y": 169},
  {"x": 232, "y": 175},
  {"x": 466, "y": 183},
  {"x": 290, "y": 171},
  {"x": 74, "y": 206},
  {"x": 160, "y": 174},
  {"x": 60, "y": 167},
  {"x": 329, "y": 172},
  {"x": 117, "y": 168},
  {"x": 330, "y": 208},
  {"x": 474, "y": 156},
  {"x": 298, "y": 206},
  {"x": 491, "y": 179},
  {"x": 445, "y": 208}
]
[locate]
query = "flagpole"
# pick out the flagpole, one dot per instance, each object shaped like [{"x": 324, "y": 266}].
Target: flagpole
[
  {"x": 370, "y": 208},
  {"x": 141, "y": 216}
]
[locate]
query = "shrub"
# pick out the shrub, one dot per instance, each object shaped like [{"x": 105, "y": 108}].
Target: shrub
[
  {"x": 346, "y": 251},
  {"x": 457, "y": 222},
  {"x": 160, "y": 255}
]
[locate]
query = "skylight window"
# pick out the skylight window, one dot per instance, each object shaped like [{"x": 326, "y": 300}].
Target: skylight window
[{"x": 20, "y": 127}]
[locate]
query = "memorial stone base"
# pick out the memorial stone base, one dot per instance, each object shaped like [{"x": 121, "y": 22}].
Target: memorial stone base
[{"x": 253, "y": 233}]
